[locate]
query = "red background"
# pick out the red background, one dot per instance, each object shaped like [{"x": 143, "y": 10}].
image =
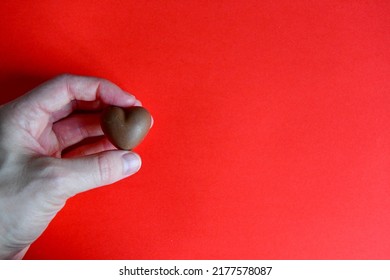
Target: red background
[{"x": 272, "y": 125}]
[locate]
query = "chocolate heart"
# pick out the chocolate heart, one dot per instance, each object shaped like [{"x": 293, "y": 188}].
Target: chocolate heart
[{"x": 126, "y": 127}]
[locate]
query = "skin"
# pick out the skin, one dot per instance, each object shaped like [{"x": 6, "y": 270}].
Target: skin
[{"x": 35, "y": 178}]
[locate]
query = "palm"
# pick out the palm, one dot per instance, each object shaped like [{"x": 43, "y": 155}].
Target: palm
[
  {"x": 47, "y": 141},
  {"x": 50, "y": 138}
]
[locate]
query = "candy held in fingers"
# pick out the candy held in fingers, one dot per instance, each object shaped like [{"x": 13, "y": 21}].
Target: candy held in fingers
[{"x": 126, "y": 127}]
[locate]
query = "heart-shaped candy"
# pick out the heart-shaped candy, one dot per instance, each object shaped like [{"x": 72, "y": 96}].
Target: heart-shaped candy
[{"x": 126, "y": 127}]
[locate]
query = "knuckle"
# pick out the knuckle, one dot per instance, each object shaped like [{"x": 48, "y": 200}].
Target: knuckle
[
  {"x": 105, "y": 170},
  {"x": 49, "y": 180},
  {"x": 49, "y": 169},
  {"x": 64, "y": 76},
  {"x": 62, "y": 79}
]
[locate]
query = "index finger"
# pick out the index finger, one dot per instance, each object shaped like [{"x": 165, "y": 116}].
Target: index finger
[{"x": 56, "y": 97}]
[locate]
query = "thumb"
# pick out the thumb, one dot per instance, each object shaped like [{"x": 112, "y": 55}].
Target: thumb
[{"x": 100, "y": 169}]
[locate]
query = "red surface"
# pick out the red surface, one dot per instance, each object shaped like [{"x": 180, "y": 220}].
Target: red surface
[{"x": 272, "y": 125}]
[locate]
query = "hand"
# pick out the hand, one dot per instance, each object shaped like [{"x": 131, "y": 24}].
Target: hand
[{"x": 35, "y": 178}]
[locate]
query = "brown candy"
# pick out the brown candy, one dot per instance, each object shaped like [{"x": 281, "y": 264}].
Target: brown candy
[{"x": 126, "y": 127}]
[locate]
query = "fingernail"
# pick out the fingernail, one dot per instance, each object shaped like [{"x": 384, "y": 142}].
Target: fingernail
[
  {"x": 130, "y": 99},
  {"x": 137, "y": 103},
  {"x": 131, "y": 163}
]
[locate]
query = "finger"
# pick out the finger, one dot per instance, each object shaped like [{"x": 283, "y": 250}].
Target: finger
[
  {"x": 54, "y": 98},
  {"x": 75, "y": 128},
  {"x": 87, "y": 105},
  {"x": 97, "y": 170},
  {"x": 97, "y": 105},
  {"x": 99, "y": 146}
]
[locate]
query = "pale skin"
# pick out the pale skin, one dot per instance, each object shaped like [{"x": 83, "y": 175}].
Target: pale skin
[{"x": 35, "y": 178}]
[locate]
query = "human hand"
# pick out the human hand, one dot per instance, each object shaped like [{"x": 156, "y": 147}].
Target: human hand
[{"x": 35, "y": 179}]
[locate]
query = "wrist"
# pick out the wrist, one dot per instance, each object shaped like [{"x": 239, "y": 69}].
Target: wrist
[{"x": 8, "y": 254}]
